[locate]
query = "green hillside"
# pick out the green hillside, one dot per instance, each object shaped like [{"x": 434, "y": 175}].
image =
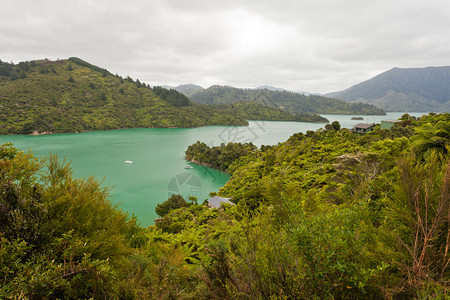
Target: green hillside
[
  {"x": 73, "y": 95},
  {"x": 404, "y": 89},
  {"x": 259, "y": 111},
  {"x": 288, "y": 101},
  {"x": 325, "y": 215}
]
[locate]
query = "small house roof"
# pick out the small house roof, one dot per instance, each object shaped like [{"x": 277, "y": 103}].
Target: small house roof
[
  {"x": 217, "y": 201},
  {"x": 364, "y": 125}
]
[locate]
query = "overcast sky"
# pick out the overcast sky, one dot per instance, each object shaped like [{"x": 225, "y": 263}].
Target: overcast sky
[{"x": 315, "y": 45}]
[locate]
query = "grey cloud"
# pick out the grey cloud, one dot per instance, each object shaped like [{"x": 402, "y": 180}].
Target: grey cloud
[{"x": 317, "y": 46}]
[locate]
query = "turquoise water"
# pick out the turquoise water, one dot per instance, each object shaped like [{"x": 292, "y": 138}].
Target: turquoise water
[{"x": 158, "y": 167}]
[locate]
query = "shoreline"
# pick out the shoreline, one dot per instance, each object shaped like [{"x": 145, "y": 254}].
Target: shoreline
[
  {"x": 37, "y": 133},
  {"x": 205, "y": 165}
]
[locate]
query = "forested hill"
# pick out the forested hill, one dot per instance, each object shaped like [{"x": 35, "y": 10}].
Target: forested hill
[
  {"x": 289, "y": 101},
  {"x": 404, "y": 89},
  {"x": 73, "y": 95}
]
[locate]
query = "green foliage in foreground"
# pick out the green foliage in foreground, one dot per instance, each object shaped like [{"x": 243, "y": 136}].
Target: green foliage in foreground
[
  {"x": 174, "y": 202},
  {"x": 73, "y": 96},
  {"x": 59, "y": 236},
  {"x": 327, "y": 214}
]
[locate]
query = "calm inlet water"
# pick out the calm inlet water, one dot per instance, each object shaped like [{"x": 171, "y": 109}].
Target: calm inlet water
[{"x": 158, "y": 167}]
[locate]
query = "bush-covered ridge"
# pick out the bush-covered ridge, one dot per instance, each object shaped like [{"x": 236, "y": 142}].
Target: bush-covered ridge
[
  {"x": 73, "y": 96},
  {"x": 219, "y": 157},
  {"x": 327, "y": 214},
  {"x": 288, "y": 101}
]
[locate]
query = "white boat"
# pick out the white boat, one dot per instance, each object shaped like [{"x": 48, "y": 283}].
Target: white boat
[
  {"x": 189, "y": 167},
  {"x": 128, "y": 162}
]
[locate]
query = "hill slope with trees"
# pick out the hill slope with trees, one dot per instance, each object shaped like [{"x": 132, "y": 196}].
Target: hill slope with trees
[
  {"x": 404, "y": 89},
  {"x": 73, "y": 96},
  {"x": 288, "y": 101}
]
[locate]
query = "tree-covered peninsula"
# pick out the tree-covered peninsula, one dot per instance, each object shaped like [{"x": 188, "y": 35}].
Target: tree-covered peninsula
[
  {"x": 326, "y": 214},
  {"x": 73, "y": 96},
  {"x": 219, "y": 157}
]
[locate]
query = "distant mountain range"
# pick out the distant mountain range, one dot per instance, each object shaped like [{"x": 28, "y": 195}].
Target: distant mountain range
[
  {"x": 276, "y": 89},
  {"x": 399, "y": 89},
  {"x": 191, "y": 89},
  {"x": 188, "y": 89},
  {"x": 289, "y": 101},
  {"x": 271, "y": 88}
]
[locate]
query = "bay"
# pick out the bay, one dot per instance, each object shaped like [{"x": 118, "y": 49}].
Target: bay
[{"x": 158, "y": 167}]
